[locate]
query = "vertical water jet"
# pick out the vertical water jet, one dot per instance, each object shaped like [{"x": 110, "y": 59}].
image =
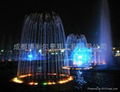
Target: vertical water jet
[
  {"x": 41, "y": 57},
  {"x": 105, "y": 39}
]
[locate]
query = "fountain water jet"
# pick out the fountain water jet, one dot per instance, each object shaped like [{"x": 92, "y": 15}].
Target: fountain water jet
[
  {"x": 79, "y": 53},
  {"x": 41, "y": 58},
  {"x": 105, "y": 34}
]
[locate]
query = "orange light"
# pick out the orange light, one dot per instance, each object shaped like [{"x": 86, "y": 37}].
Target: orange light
[
  {"x": 70, "y": 78},
  {"x": 16, "y": 80},
  {"x": 62, "y": 81},
  {"x": 49, "y": 83},
  {"x": 66, "y": 67},
  {"x": 29, "y": 74},
  {"x": 65, "y": 80},
  {"x": 62, "y": 74},
  {"x": 53, "y": 83},
  {"x": 33, "y": 83},
  {"x": 22, "y": 76}
]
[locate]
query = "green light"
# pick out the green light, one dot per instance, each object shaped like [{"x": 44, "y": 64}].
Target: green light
[{"x": 44, "y": 83}]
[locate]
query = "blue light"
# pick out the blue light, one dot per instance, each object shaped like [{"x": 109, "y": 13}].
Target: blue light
[
  {"x": 30, "y": 50},
  {"x": 30, "y": 56},
  {"x": 81, "y": 56}
]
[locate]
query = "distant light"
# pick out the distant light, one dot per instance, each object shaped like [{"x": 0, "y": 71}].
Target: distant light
[
  {"x": 9, "y": 59},
  {"x": 2, "y": 50},
  {"x": 113, "y": 48},
  {"x": 33, "y": 83},
  {"x": 62, "y": 50},
  {"x": 44, "y": 83},
  {"x": 49, "y": 83},
  {"x": 30, "y": 50},
  {"x": 98, "y": 47},
  {"x": 30, "y": 56},
  {"x": 56, "y": 53},
  {"x": 49, "y": 50},
  {"x": 66, "y": 67},
  {"x": 118, "y": 51},
  {"x": 40, "y": 50},
  {"x": 52, "y": 53}
]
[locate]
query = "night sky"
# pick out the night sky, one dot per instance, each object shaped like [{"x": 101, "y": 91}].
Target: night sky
[{"x": 78, "y": 17}]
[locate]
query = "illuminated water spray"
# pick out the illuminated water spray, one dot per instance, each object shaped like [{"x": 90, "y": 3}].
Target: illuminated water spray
[
  {"x": 105, "y": 33},
  {"x": 41, "y": 58},
  {"x": 81, "y": 56},
  {"x": 79, "y": 53}
]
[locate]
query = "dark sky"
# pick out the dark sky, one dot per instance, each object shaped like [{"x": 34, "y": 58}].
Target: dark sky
[{"x": 77, "y": 17}]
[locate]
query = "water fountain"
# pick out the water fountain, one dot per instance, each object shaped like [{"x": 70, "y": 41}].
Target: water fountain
[
  {"x": 79, "y": 52},
  {"x": 41, "y": 55},
  {"x": 45, "y": 57},
  {"x": 98, "y": 55},
  {"x": 105, "y": 34}
]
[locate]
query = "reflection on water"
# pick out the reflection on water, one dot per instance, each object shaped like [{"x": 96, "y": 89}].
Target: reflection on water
[
  {"x": 79, "y": 80},
  {"x": 84, "y": 80}
]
